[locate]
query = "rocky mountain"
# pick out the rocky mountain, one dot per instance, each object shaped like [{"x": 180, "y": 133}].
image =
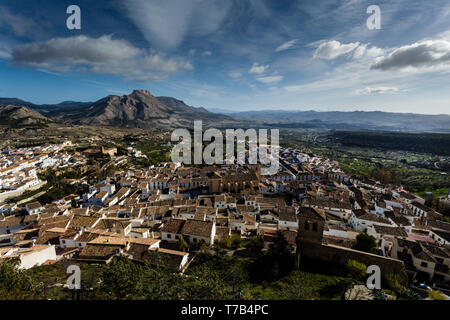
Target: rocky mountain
[
  {"x": 13, "y": 115},
  {"x": 180, "y": 105},
  {"x": 143, "y": 110}
]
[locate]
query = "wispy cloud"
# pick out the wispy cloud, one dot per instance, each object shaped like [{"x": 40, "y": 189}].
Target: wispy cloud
[
  {"x": 376, "y": 90},
  {"x": 19, "y": 24},
  {"x": 270, "y": 79},
  {"x": 166, "y": 23},
  {"x": 235, "y": 74},
  {"x": 5, "y": 52},
  {"x": 287, "y": 45}
]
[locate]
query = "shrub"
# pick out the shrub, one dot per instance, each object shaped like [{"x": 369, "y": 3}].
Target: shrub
[
  {"x": 394, "y": 283},
  {"x": 436, "y": 295},
  {"x": 356, "y": 270}
]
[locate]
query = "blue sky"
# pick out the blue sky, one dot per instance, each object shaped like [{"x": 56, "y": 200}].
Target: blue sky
[{"x": 232, "y": 54}]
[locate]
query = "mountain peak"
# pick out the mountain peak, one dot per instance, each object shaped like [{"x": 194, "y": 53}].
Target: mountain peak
[{"x": 141, "y": 91}]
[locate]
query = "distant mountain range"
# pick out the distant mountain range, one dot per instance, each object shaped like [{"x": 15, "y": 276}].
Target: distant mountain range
[
  {"x": 351, "y": 120},
  {"x": 142, "y": 109}
]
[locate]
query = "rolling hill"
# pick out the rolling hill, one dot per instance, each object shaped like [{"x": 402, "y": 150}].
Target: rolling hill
[{"x": 17, "y": 116}]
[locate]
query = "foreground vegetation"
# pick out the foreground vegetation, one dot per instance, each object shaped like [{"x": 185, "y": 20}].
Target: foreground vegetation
[{"x": 271, "y": 275}]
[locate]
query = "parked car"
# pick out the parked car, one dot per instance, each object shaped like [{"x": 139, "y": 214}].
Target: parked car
[{"x": 423, "y": 286}]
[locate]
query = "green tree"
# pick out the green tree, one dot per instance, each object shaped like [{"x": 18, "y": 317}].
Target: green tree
[
  {"x": 297, "y": 288},
  {"x": 277, "y": 263},
  {"x": 121, "y": 279},
  {"x": 227, "y": 242},
  {"x": 237, "y": 279},
  {"x": 204, "y": 283},
  {"x": 15, "y": 284},
  {"x": 256, "y": 244},
  {"x": 236, "y": 241},
  {"x": 356, "y": 270},
  {"x": 159, "y": 281},
  {"x": 203, "y": 247},
  {"x": 366, "y": 243},
  {"x": 182, "y": 244}
]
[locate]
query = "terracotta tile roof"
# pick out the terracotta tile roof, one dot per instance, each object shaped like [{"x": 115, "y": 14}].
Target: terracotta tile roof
[
  {"x": 80, "y": 221},
  {"x": 197, "y": 228},
  {"x": 392, "y": 231},
  {"x": 113, "y": 223},
  {"x": 33, "y": 205},
  {"x": 107, "y": 240},
  {"x": 99, "y": 252},
  {"x": 173, "y": 226},
  {"x": 11, "y": 221}
]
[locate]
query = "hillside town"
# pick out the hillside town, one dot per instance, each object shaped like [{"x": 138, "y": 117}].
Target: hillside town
[{"x": 318, "y": 209}]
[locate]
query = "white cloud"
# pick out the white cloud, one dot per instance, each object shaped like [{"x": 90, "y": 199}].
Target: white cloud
[
  {"x": 102, "y": 55},
  {"x": 270, "y": 79},
  {"x": 364, "y": 51},
  {"x": 359, "y": 52},
  {"x": 235, "y": 74},
  {"x": 166, "y": 23},
  {"x": 207, "y": 54},
  {"x": 258, "y": 69},
  {"x": 376, "y": 90},
  {"x": 332, "y": 49},
  {"x": 420, "y": 55},
  {"x": 287, "y": 45}
]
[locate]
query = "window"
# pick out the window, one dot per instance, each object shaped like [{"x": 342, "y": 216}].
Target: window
[
  {"x": 169, "y": 235},
  {"x": 306, "y": 225},
  {"x": 424, "y": 264},
  {"x": 315, "y": 226}
]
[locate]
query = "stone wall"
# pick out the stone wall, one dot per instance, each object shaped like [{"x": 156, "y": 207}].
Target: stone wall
[{"x": 340, "y": 255}]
